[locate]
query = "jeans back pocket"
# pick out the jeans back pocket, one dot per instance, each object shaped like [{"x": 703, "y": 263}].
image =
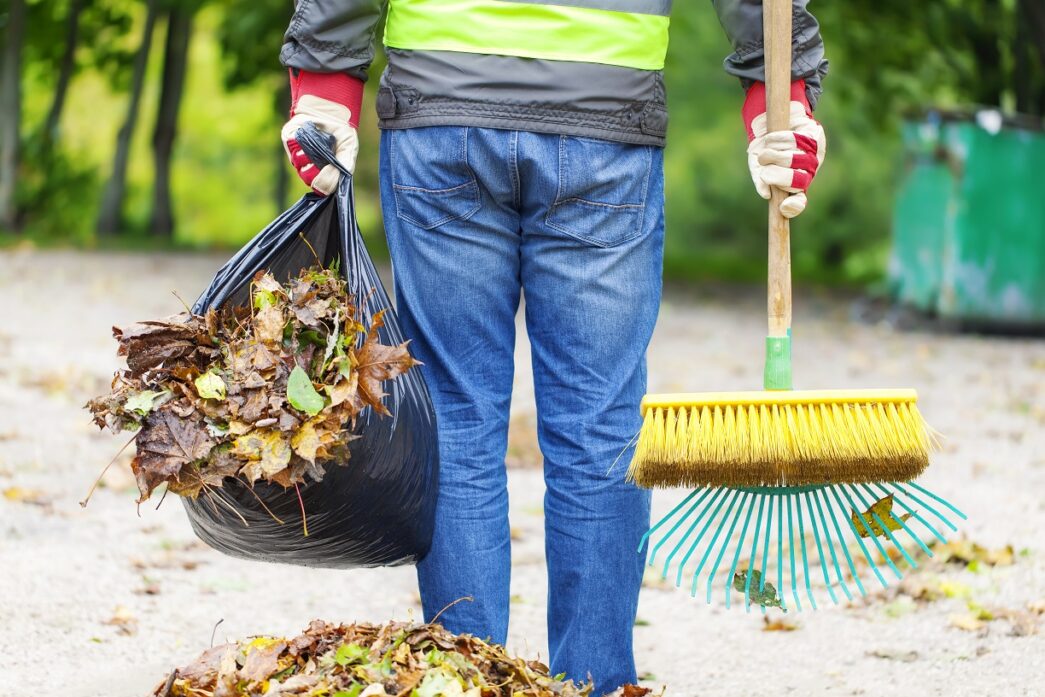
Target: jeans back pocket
[
  {"x": 432, "y": 181},
  {"x": 601, "y": 197}
]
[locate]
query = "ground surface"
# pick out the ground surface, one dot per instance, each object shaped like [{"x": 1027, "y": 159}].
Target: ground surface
[{"x": 100, "y": 602}]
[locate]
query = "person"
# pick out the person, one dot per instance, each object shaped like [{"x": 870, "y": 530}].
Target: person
[{"x": 522, "y": 154}]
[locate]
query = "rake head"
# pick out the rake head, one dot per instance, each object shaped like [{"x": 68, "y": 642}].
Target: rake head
[
  {"x": 794, "y": 536},
  {"x": 793, "y": 437}
]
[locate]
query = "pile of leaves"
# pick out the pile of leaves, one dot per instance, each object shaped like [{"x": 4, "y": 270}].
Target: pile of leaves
[
  {"x": 367, "y": 660},
  {"x": 270, "y": 391}
]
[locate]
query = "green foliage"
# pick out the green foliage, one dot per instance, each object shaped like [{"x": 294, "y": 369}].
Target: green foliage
[
  {"x": 886, "y": 57},
  {"x": 716, "y": 224}
]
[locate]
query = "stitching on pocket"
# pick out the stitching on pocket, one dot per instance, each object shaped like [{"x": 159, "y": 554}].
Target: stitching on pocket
[
  {"x": 404, "y": 187},
  {"x": 625, "y": 208},
  {"x": 419, "y": 192}
]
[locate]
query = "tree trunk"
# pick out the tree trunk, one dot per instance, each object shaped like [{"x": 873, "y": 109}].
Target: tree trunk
[
  {"x": 110, "y": 217},
  {"x": 1029, "y": 72},
  {"x": 282, "y": 175},
  {"x": 11, "y": 111},
  {"x": 175, "y": 64},
  {"x": 65, "y": 71}
]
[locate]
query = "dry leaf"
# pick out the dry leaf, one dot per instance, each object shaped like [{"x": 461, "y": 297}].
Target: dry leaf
[
  {"x": 970, "y": 622},
  {"x": 398, "y": 658},
  {"x": 884, "y": 509},
  {"x": 124, "y": 621},
  {"x": 778, "y": 625},
  {"x": 231, "y": 392},
  {"x": 19, "y": 494},
  {"x": 895, "y": 655}
]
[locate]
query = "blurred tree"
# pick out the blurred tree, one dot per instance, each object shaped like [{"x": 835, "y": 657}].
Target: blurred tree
[
  {"x": 1030, "y": 57},
  {"x": 172, "y": 86},
  {"x": 908, "y": 56},
  {"x": 11, "y": 109},
  {"x": 66, "y": 68},
  {"x": 250, "y": 34},
  {"x": 110, "y": 215}
]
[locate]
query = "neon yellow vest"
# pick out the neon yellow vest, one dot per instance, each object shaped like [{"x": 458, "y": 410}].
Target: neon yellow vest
[{"x": 529, "y": 30}]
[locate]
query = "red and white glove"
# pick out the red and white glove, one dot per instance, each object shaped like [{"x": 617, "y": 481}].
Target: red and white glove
[
  {"x": 332, "y": 102},
  {"x": 784, "y": 159}
]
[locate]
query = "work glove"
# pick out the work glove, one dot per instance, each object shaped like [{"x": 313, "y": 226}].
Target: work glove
[
  {"x": 331, "y": 101},
  {"x": 784, "y": 159}
]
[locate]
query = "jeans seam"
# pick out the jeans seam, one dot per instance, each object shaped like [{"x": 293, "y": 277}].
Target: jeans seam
[{"x": 513, "y": 168}]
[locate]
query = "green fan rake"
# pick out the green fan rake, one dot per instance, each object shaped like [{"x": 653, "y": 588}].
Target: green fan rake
[{"x": 793, "y": 534}]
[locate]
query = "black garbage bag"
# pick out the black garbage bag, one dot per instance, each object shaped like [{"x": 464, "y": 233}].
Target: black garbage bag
[{"x": 377, "y": 509}]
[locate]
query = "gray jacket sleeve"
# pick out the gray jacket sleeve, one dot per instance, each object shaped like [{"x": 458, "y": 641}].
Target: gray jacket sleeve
[
  {"x": 742, "y": 20},
  {"x": 331, "y": 36}
]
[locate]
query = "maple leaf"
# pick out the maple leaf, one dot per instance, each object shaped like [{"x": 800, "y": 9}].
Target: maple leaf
[
  {"x": 165, "y": 445},
  {"x": 375, "y": 362},
  {"x": 884, "y": 508}
]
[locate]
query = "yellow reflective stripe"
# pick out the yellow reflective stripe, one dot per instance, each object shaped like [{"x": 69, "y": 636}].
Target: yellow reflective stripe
[{"x": 553, "y": 32}]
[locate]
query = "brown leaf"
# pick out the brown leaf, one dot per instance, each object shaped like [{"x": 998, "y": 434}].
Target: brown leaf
[
  {"x": 268, "y": 324},
  {"x": 267, "y": 451},
  {"x": 970, "y": 622},
  {"x": 376, "y": 362},
  {"x": 634, "y": 691},
  {"x": 165, "y": 445},
  {"x": 123, "y": 620},
  {"x": 306, "y": 441},
  {"x": 778, "y": 624},
  {"x": 262, "y": 661}
]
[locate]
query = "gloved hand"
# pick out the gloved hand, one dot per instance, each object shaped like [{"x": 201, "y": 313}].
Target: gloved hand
[
  {"x": 785, "y": 159},
  {"x": 332, "y": 102}
]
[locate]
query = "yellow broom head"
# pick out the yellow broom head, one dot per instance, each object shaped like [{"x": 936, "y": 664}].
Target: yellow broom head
[{"x": 740, "y": 439}]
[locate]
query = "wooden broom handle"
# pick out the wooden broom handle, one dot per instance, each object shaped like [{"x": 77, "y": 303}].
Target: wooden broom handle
[{"x": 776, "y": 26}]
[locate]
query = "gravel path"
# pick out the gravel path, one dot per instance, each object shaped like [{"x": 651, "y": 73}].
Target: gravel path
[{"x": 101, "y": 602}]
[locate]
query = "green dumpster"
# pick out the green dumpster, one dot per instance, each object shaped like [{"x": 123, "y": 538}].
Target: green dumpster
[{"x": 969, "y": 224}]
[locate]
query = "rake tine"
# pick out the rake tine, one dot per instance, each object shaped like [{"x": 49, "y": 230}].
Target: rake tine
[
  {"x": 841, "y": 543},
  {"x": 820, "y": 549},
  {"x": 942, "y": 500},
  {"x": 885, "y": 529},
  {"x": 685, "y": 536},
  {"x": 930, "y": 508},
  {"x": 791, "y": 550},
  {"x": 736, "y": 556},
  {"x": 666, "y": 518},
  {"x": 888, "y": 533},
  {"x": 765, "y": 549},
  {"x": 711, "y": 546},
  {"x": 725, "y": 542},
  {"x": 697, "y": 539},
  {"x": 780, "y": 553},
  {"x": 916, "y": 515},
  {"x": 859, "y": 540},
  {"x": 752, "y": 557},
  {"x": 805, "y": 561}
]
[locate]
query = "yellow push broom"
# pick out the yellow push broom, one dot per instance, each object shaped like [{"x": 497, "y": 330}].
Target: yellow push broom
[{"x": 819, "y": 470}]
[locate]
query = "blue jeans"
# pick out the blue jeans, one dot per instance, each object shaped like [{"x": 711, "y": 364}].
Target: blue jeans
[{"x": 475, "y": 216}]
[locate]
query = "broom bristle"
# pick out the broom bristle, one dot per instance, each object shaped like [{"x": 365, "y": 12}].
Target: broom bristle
[{"x": 739, "y": 439}]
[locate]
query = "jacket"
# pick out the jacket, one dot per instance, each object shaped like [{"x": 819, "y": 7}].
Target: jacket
[{"x": 433, "y": 87}]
